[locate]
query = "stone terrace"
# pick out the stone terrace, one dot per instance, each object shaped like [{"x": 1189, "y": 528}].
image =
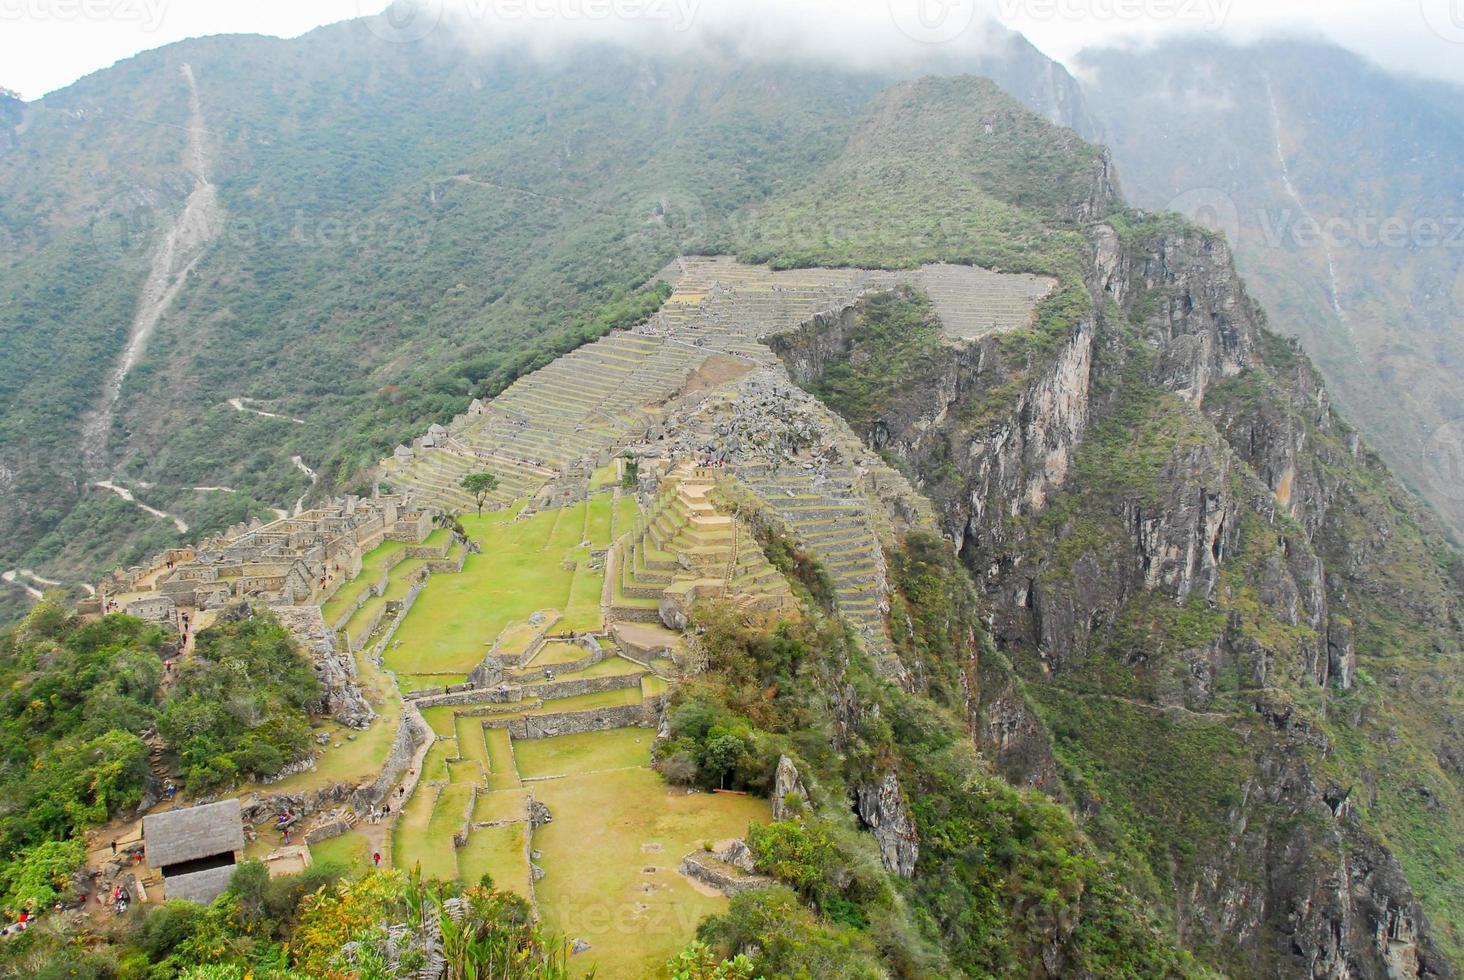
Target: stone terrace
[{"x": 658, "y": 392}]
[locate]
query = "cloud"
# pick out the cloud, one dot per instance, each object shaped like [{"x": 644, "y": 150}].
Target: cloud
[{"x": 878, "y": 35}]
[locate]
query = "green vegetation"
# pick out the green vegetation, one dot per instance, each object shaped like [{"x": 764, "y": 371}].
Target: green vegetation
[
  {"x": 239, "y": 705},
  {"x": 519, "y": 571},
  {"x": 898, "y": 337},
  {"x": 294, "y": 927},
  {"x": 79, "y": 698},
  {"x": 480, "y": 485},
  {"x": 1000, "y": 872}
]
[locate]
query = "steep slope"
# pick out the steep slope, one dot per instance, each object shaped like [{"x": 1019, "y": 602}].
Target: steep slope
[
  {"x": 1240, "y": 635},
  {"x": 400, "y": 226},
  {"x": 1338, "y": 186}
]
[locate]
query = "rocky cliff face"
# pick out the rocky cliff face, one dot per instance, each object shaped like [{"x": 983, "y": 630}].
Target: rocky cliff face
[{"x": 1192, "y": 562}]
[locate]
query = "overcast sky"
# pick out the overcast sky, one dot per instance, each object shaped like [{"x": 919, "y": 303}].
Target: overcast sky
[{"x": 47, "y": 44}]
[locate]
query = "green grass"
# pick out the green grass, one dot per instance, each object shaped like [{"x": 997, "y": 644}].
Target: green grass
[
  {"x": 351, "y": 850},
  {"x": 503, "y": 804},
  {"x": 372, "y": 566},
  {"x": 583, "y": 614},
  {"x": 502, "y": 770},
  {"x": 611, "y": 666},
  {"x": 470, "y": 741},
  {"x": 626, "y": 512},
  {"x": 597, "y": 524},
  {"x": 518, "y": 573},
  {"x": 608, "y": 829},
  {"x": 499, "y": 852},
  {"x": 441, "y": 719},
  {"x": 587, "y": 752},
  {"x": 422, "y": 682},
  {"x": 556, "y": 652}
]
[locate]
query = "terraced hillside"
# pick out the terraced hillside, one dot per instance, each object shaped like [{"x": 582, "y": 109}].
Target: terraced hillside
[{"x": 698, "y": 382}]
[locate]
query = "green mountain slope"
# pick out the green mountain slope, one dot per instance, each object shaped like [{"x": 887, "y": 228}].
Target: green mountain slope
[
  {"x": 1338, "y": 185},
  {"x": 1238, "y": 635}
]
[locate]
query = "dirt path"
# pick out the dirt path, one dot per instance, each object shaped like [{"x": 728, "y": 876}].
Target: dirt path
[
  {"x": 181, "y": 248},
  {"x": 240, "y": 405},
  {"x": 314, "y": 479},
  {"x": 126, "y": 495},
  {"x": 14, "y": 579}
]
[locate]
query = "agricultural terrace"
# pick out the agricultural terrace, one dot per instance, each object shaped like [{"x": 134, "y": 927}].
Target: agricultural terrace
[
  {"x": 603, "y": 869},
  {"x": 541, "y": 562}
]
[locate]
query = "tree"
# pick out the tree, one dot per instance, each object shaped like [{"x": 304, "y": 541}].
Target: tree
[{"x": 480, "y": 485}]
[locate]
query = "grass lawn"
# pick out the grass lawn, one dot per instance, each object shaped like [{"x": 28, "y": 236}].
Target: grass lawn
[
  {"x": 359, "y": 760},
  {"x": 421, "y": 682},
  {"x": 651, "y": 685},
  {"x": 557, "y": 652},
  {"x": 587, "y": 752},
  {"x": 611, "y": 666},
  {"x": 597, "y": 526},
  {"x": 424, "y": 832},
  {"x": 503, "y": 804},
  {"x": 470, "y": 741},
  {"x": 350, "y": 850},
  {"x": 456, "y": 617},
  {"x": 372, "y": 566},
  {"x": 499, "y": 852},
  {"x": 502, "y": 770},
  {"x": 626, "y": 511},
  {"x": 441, "y": 719},
  {"x": 569, "y": 530},
  {"x": 583, "y": 614},
  {"x": 608, "y": 830}
]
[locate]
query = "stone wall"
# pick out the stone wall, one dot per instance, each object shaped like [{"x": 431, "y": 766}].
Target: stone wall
[
  {"x": 547, "y": 689},
  {"x": 643, "y": 715},
  {"x": 412, "y": 739}
]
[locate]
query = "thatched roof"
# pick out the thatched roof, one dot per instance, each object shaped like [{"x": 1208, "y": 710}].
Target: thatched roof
[{"x": 192, "y": 833}]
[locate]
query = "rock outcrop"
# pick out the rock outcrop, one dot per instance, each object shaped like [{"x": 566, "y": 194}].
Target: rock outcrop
[{"x": 883, "y": 810}]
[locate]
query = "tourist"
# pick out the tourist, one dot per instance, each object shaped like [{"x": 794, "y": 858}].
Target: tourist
[
  {"x": 376, "y": 858},
  {"x": 114, "y": 846},
  {"x": 170, "y": 789}
]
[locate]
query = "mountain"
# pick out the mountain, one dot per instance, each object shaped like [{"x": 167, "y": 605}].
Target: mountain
[
  {"x": 1338, "y": 184},
  {"x": 1119, "y": 652},
  {"x": 355, "y": 230}
]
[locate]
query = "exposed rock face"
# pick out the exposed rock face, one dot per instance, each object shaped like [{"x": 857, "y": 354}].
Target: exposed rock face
[
  {"x": 790, "y": 796},
  {"x": 341, "y": 698},
  {"x": 1237, "y": 553},
  {"x": 883, "y": 809}
]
